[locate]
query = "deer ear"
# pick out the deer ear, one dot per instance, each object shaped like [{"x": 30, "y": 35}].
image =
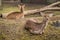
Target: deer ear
[
  {"x": 19, "y": 6},
  {"x": 23, "y": 5},
  {"x": 42, "y": 14}
]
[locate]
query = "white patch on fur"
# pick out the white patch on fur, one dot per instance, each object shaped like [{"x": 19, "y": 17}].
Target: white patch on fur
[
  {"x": 50, "y": 15},
  {"x": 33, "y": 20}
]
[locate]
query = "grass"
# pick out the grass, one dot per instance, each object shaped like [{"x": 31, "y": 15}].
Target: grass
[
  {"x": 57, "y": 13},
  {"x": 9, "y": 8},
  {"x": 14, "y": 29}
]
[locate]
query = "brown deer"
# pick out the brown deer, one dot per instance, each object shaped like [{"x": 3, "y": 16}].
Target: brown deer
[
  {"x": 17, "y": 15},
  {"x": 36, "y": 28}
]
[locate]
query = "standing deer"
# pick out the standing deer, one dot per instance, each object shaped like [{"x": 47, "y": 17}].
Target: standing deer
[
  {"x": 37, "y": 28},
  {"x": 17, "y": 15}
]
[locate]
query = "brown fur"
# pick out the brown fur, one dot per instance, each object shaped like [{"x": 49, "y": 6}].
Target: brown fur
[
  {"x": 34, "y": 26},
  {"x": 17, "y": 15}
]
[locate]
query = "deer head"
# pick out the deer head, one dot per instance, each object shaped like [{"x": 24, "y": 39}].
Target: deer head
[
  {"x": 21, "y": 7},
  {"x": 46, "y": 16}
]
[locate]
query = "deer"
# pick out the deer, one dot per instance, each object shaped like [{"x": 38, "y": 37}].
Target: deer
[
  {"x": 17, "y": 15},
  {"x": 37, "y": 28}
]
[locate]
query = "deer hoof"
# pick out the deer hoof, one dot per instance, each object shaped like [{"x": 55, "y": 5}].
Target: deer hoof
[{"x": 41, "y": 33}]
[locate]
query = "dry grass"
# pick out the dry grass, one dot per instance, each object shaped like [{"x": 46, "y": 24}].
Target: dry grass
[{"x": 14, "y": 29}]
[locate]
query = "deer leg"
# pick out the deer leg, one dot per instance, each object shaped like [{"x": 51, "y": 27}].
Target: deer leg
[
  {"x": 41, "y": 32},
  {"x": 23, "y": 16}
]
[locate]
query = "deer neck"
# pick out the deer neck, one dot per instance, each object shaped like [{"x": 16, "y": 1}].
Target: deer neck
[
  {"x": 22, "y": 9},
  {"x": 44, "y": 21}
]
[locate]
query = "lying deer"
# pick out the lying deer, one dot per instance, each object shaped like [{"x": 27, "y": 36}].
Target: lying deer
[
  {"x": 36, "y": 28},
  {"x": 17, "y": 15}
]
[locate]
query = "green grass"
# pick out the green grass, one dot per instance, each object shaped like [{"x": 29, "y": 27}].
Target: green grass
[
  {"x": 14, "y": 29},
  {"x": 57, "y": 13},
  {"x": 8, "y": 8}
]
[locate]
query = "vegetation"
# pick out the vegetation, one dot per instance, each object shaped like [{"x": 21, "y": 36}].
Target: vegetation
[
  {"x": 14, "y": 29},
  {"x": 9, "y": 8}
]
